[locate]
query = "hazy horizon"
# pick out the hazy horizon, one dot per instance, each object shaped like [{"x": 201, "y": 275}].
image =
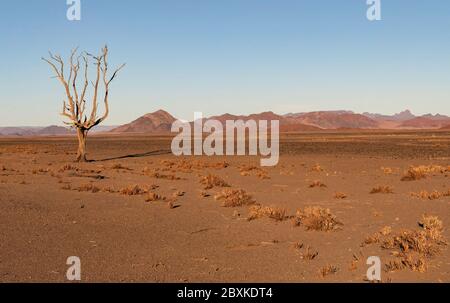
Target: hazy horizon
[{"x": 237, "y": 57}]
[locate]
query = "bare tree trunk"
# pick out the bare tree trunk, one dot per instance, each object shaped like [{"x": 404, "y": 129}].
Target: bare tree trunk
[{"x": 82, "y": 135}]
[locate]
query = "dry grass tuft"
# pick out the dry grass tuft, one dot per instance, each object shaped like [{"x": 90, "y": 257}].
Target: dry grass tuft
[
  {"x": 212, "y": 181},
  {"x": 340, "y": 195},
  {"x": 421, "y": 172},
  {"x": 67, "y": 167},
  {"x": 328, "y": 270},
  {"x": 275, "y": 213},
  {"x": 306, "y": 253},
  {"x": 248, "y": 170},
  {"x": 88, "y": 187},
  {"x": 178, "y": 193},
  {"x": 66, "y": 187},
  {"x": 387, "y": 170},
  {"x": 382, "y": 189},
  {"x": 434, "y": 195},
  {"x": 204, "y": 194},
  {"x": 153, "y": 197},
  {"x": 316, "y": 218},
  {"x": 317, "y": 183},
  {"x": 133, "y": 190},
  {"x": 412, "y": 248},
  {"x": 234, "y": 198},
  {"x": 170, "y": 177},
  {"x": 317, "y": 168}
]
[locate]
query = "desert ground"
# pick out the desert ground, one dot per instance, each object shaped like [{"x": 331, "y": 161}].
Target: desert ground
[{"x": 138, "y": 213}]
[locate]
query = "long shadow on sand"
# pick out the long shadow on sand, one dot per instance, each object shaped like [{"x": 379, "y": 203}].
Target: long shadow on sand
[{"x": 147, "y": 154}]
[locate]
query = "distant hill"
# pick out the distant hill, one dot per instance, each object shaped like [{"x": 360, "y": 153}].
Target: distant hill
[
  {"x": 425, "y": 122},
  {"x": 157, "y": 122},
  {"x": 402, "y": 116},
  {"x": 335, "y": 120},
  {"x": 54, "y": 131}
]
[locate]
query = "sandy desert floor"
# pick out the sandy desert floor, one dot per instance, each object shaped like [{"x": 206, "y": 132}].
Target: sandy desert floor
[{"x": 137, "y": 213}]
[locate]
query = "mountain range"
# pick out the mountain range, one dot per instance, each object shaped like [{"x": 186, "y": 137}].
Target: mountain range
[{"x": 161, "y": 122}]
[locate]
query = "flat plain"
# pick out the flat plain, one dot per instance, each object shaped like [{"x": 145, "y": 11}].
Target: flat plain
[{"x": 138, "y": 213}]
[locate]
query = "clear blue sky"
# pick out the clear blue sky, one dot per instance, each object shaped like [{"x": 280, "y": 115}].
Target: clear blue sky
[{"x": 238, "y": 56}]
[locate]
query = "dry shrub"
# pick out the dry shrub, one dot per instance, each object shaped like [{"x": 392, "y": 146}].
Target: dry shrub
[
  {"x": 382, "y": 189},
  {"x": 306, "y": 253},
  {"x": 317, "y": 184},
  {"x": 133, "y": 190},
  {"x": 340, "y": 195},
  {"x": 66, "y": 187},
  {"x": 317, "y": 168},
  {"x": 262, "y": 174},
  {"x": 248, "y": 170},
  {"x": 67, "y": 167},
  {"x": 170, "y": 177},
  {"x": 153, "y": 197},
  {"x": 328, "y": 270},
  {"x": 376, "y": 237},
  {"x": 421, "y": 172},
  {"x": 170, "y": 204},
  {"x": 412, "y": 248},
  {"x": 316, "y": 218},
  {"x": 434, "y": 195},
  {"x": 387, "y": 170},
  {"x": 41, "y": 171},
  {"x": 109, "y": 189},
  {"x": 258, "y": 211},
  {"x": 212, "y": 181},
  {"x": 415, "y": 263},
  {"x": 178, "y": 194},
  {"x": 204, "y": 194},
  {"x": 234, "y": 198},
  {"x": 88, "y": 187},
  {"x": 189, "y": 166}
]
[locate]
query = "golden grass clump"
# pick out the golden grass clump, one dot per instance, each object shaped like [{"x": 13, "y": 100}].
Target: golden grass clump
[
  {"x": 306, "y": 253},
  {"x": 234, "y": 198},
  {"x": 67, "y": 167},
  {"x": 170, "y": 177},
  {"x": 382, "y": 189},
  {"x": 275, "y": 213},
  {"x": 133, "y": 190},
  {"x": 412, "y": 248},
  {"x": 151, "y": 197},
  {"x": 421, "y": 172},
  {"x": 316, "y": 218},
  {"x": 434, "y": 195},
  {"x": 317, "y": 183},
  {"x": 210, "y": 181},
  {"x": 317, "y": 168},
  {"x": 248, "y": 170},
  {"x": 340, "y": 195},
  {"x": 88, "y": 187},
  {"x": 328, "y": 270},
  {"x": 387, "y": 170},
  {"x": 188, "y": 166}
]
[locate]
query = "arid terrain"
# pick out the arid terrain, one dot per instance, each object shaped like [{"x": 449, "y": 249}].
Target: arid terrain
[{"x": 137, "y": 213}]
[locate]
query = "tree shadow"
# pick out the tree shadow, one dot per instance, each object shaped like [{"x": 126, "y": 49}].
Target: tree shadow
[{"x": 141, "y": 155}]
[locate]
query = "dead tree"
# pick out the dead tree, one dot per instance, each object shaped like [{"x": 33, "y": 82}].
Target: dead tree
[{"x": 75, "y": 107}]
